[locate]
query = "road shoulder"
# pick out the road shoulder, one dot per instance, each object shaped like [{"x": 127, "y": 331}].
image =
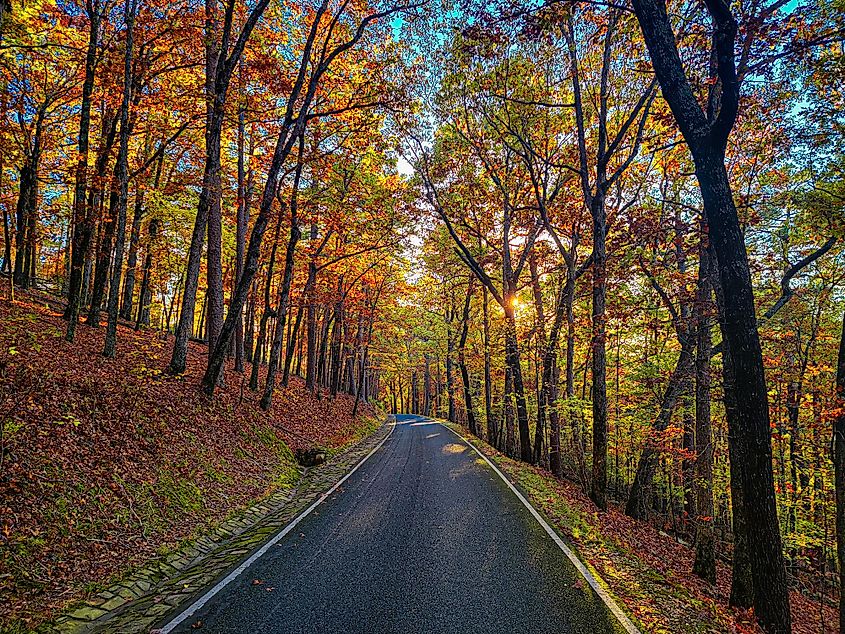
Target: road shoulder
[{"x": 504, "y": 468}]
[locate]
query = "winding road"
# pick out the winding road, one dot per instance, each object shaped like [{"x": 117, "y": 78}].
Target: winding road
[{"x": 423, "y": 537}]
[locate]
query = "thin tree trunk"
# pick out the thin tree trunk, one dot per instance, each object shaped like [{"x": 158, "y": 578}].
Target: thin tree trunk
[
  {"x": 291, "y": 346},
  {"x": 488, "y": 381},
  {"x": 839, "y": 473},
  {"x": 83, "y": 226},
  {"x": 122, "y": 174},
  {"x": 144, "y": 295},
  {"x": 598, "y": 489},
  {"x": 510, "y": 436},
  {"x": 638, "y": 498},
  {"x": 427, "y": 387},
  {"x": 470, "y": 413},
  {"x": 336, "y": 347},
  {"x": 543, "y": 401},
  {"x": 284, "y": 293},
  {"x": 249, "y": 327},
  {"x": 102, "y": 265},
  {"x": 705, "y": 548},
  {"x": 132, "y": 258},
  {"x": 240, "y": 237},
  {"x": 311, "y": 320},
  {"x": 450, "y": 375}
]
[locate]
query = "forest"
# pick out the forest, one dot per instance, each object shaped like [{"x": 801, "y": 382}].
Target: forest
[{"x": 608, "y": 238}]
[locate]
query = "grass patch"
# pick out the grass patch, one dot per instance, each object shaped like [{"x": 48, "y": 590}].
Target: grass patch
[{"x": 179, "y": 495}]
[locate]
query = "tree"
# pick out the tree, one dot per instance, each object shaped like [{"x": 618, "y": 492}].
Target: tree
[
  {"x": 222, "y": 58},
  {"x": 706, "y": 133}
]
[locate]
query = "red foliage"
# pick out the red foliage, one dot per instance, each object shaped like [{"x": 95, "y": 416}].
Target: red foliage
[{"x": 106, "y": 461}]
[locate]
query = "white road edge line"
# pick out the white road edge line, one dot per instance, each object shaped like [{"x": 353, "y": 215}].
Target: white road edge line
[
  {"x": 579, "y": 565},
  {"x": 199, "y": 603}
]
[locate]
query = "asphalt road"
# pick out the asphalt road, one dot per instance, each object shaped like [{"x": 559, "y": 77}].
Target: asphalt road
[{"x": 424, "y": 537}]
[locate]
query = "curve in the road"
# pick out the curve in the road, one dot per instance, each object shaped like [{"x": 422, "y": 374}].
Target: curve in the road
[{"x": 425, "y": 536}]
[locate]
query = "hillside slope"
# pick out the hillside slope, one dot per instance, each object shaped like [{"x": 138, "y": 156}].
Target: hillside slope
[{"x": 107, "y": 462}]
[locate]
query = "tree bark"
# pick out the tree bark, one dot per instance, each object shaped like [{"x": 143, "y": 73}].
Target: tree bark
[
  {"x": 291, "y": 346},
  {"x": 337, "y": 338},
  {"x": 598, "y": 488},
  {"x": 839, "y": 473},
  {"x": 492, "y": 436},
  {"x": 102, "y": 264},
  {"x": 706, "y": 134},
  {"x": 144, "y": 295},
  {"x": 471, "y": 422},
  {"x": 132, "y": 258},
  {"x": 240, "y": 237},
  {"x": 83, "y": 225},
  {"x": 311, "y": 320},
  {"x": 450, "y": 375},
  {"x": 27, "y": 208},
  {"x": 122, "y": 177},
  {"x": 284, "y": 292},
  {"x": 705, "y": 546},
  {"x": 542, "y": 344}
]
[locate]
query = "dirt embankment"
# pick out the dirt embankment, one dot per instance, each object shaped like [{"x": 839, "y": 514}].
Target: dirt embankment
[{"x": 108, "y": 462}]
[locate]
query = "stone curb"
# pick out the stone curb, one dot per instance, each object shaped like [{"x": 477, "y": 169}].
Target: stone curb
[{"x": 164, "y": 586}]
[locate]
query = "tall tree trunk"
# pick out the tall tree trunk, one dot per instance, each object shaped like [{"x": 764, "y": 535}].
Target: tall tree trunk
[
  {"x": 705, "y": 546},
  {"x": 513, "y": 362},
  {"x": 427, "y": 387},
  {"x": 291, "y": 346},
  {"x": 7, "y": 229},
  {"x": 122, "y": 174},
  {"x": 144, "y": 295},
  {"x": 102, "y": 265},
  {"x": 749, "y": 424},
  {"x": 322, "y": 357},
  {"x": 543, "y": 401},
  {"x": 249, "y": 326},
  {"x": 450, "y": 374},
  {"x": 132, "y": 258},
  {"x": 83, "y": 222},
  {"x": 337, "y": 337},
  {"x": 742, "y": 584},
  {"x": 258, "y": 355},
  {"x": 25, "y": 209},
  {"x": 284, "y": 292},
  {"x": 215, "y": 98},
  {"x": 471, "y": 423},
  {"x": 488, "y": 381},
  {"x": 311, "y": 320},
  {"x": 240, "y": 236},
  {"x": 839, "y": 473},
  {"x": 706, "y": 134},
  {"x": 598, "y": 489},
  {"x": 507, "y": 412}
]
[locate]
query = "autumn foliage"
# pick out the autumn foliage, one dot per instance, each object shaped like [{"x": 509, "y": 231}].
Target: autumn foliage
[{"x": 107, "y": 463}]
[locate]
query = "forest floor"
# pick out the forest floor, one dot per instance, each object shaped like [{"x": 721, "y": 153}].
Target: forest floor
[
  {"x": 644, "y": 568},
  {"x": 108, "y": 463}
]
